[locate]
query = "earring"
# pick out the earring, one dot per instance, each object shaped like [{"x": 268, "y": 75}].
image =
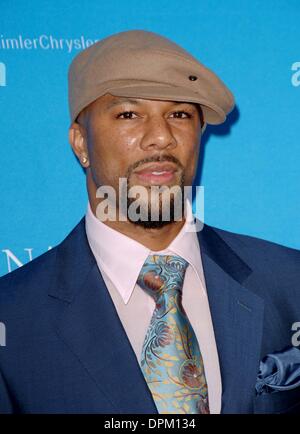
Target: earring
[{"x": 84, "y": 160}]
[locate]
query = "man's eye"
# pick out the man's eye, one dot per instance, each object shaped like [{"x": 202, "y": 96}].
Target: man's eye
[
  {"x": 125, "y": 115},
  {"x": 182, "y": 114}
]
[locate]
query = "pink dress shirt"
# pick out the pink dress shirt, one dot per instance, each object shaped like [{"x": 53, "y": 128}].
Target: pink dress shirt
[{"x": 120, "y": 260}]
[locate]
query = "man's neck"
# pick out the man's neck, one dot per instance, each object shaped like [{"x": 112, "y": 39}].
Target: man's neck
[{"x": 155, "y": 239}]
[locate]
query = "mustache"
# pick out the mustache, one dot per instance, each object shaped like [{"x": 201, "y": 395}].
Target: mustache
[{"x": 154, "y": 159}]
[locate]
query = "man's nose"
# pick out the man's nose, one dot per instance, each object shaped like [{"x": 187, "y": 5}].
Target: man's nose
[{"x": 158, "y": 134}]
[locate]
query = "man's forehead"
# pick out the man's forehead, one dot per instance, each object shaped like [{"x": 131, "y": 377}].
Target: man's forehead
[
  {"x": 106, "y": 102},
  {"x": 109, "y": 101}
]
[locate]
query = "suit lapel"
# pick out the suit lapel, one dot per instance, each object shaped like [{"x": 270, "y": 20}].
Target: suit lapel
[
  {"x": 237, "y": 315},
  {"x": 89, "y": 325}
]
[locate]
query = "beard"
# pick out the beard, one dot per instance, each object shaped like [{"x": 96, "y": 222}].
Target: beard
[{"x": 160, "y": 207}]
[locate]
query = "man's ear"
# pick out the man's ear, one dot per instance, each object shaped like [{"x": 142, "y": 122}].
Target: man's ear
[{"x": 78, "y": 141}]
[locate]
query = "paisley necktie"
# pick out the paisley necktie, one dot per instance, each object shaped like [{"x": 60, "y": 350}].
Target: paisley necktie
[{"x": 171, "y": 360}]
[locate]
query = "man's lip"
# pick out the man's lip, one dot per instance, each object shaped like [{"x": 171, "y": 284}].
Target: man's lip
[{"x": 156, "y": 167}]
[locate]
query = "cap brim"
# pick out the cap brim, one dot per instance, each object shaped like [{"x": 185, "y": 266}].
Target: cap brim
[{"x": 211, "y": 112}]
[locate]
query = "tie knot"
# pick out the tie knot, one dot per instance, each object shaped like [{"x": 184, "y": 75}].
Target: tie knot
[{"x": 161, "y": 273}]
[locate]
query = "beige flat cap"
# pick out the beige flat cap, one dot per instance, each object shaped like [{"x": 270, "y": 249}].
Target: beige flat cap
[{"x": 143, "y": 64}]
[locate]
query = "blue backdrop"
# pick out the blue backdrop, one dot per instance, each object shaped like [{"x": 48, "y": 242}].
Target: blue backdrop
[{"x": 250, "y": 166}]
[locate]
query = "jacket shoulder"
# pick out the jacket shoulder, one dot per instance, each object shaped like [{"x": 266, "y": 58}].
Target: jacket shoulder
[
  {"x": 34, "y": 278},
  {"x": 257, "y": 251},
  {"x": 28, "y": 276}
]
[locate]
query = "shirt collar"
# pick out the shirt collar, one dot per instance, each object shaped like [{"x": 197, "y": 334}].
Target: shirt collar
[{"x": 122, "y": 258}]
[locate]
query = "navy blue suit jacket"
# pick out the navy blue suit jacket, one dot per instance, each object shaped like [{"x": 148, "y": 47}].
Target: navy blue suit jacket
[{"x": 67, "y": 352}]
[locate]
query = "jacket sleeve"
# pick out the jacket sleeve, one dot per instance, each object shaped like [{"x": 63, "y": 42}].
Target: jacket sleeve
[{"x": 6, "y": 406}]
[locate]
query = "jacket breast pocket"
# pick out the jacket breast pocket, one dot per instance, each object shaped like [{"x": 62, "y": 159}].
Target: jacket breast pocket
[{"x": 283, "y": 402}]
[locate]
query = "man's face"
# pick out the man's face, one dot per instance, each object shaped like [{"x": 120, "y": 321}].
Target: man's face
[{"x": 149, "y": 142}]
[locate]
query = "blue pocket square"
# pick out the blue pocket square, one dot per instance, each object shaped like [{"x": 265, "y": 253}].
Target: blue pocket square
[{"x": 279, "y": 371}]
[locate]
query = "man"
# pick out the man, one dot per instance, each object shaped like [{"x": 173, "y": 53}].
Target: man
[{"x": 146, "y": 315}]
